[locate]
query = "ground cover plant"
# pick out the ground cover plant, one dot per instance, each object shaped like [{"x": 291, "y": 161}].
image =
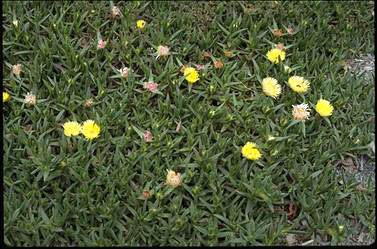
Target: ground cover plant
[{"x": 186, "y": 123}]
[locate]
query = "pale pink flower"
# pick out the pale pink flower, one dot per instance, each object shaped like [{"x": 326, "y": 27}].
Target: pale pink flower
[
  {"x": 173, "y": 179},
  {"x": 30, "y": 99},
  {"x": 200, "y": 66},
  {"x": 115, "y": 11},
  {"x": 16, "y": 69},
  {"x": 124, "y": 72},
  {"x": 101, "y": 44},
  {"x": 290, "y": 31},
  {"x": 280, "y": 46},
  {"x": 162, "y": 51},
  {"x": 300, "y": 112},
  {"x": 148, "y": 136},
  {"x": 151, "y": 86},
  {"x": 178, "y": 126}
]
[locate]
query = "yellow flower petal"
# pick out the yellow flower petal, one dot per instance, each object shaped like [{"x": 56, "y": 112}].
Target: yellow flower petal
[
  {"x": 271, "y": 87},
  {"x": 71, "y": 128},
  {"x": 324, "y": 108},
  {"x": 275, "y": 55},
  {"x": 191, "y": 75},
  {"x": 6, "y": 97},
  {"x": 90, "y": 129},
  {"x": 298, "y": 84},
  {"x": 250, "y": 151},
  {"x": 140, "y": 24}
]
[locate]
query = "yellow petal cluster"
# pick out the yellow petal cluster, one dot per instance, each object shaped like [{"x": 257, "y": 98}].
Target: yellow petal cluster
[
  {"x": 324, "y": 108},
  {"x": 250, "y": 151},
  {"x": 298, "y": 84},
  {"x": 191, "y": 75},
  {"x": 275, "y": 55},
  {"x": 140, "y": 24},
  {"x": 90, "y": 129},
  {"x": 6, "y": 97},
  {"x": 71, "y": 128},
  {"x": 271, "y": 87}
]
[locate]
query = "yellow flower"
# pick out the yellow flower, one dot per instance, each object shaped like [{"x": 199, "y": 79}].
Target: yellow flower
[
  {"x": 250, "y": 151},
  {"x": 298, "y": 84},
  {"x": 6, "y": 97},
  {"x": 140, "y": 24},
  {"x": 275, "y": 54},
  {"x": 300, "y": 112},
  {"x": 173, "y": 179},
  {"x": 71, "y": 128},
  {"x": 271, "y": 87},
  {"x": 90, "y": 129},
  {"x": 324, "y": 108},
  {"x": 191, "y": 75}
]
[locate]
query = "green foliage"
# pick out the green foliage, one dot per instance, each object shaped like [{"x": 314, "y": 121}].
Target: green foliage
[{"x": 62, "y": 190}]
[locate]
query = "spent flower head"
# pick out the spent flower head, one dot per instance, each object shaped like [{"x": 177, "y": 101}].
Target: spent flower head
[
  {"x": 148, "y": 137},
  {"x": 281, "y": 46},
  {"x": 30, "y": 99},
  {"x": 200, "y": 66},
  {"x": 162, "y": 51},
  {"x": 277, "y": 32},
  {"x": 115, "y": 11},
  {"x": 206, "y": 54},
  {"x": 300, "y": 112},
  {"x": 16, "y": 69},
  {"x": 228, "y": 53},
  {"x": 90, "y": 129},
  {"x": 146, "y": 194},
  {"x": 124, "y": 72},
  {"x": 173, "y": 179},
  {"x": 151, "y": 86},
  {"x": 250, "y": 151},
  {"x": 271, "y": 87},
  {"x": 88, "y": 103},
  {"x": 324, "y": 108},
  {"x": 101, "y": 44},
  {"x": 298, "y": 84},
  {"x": 290, "y": 31},
  {"x": 276, "y": 55},
  {"x": 218, "y": 64},
  {"x": 71, "y": 128}
]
